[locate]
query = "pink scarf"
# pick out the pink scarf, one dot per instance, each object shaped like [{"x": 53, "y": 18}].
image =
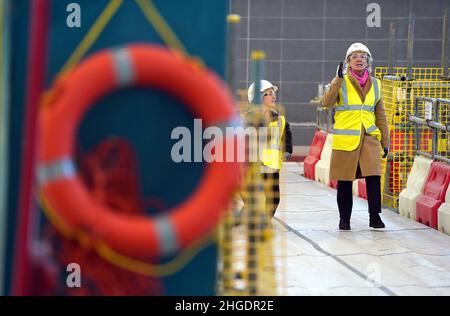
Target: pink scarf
[{"x": 361, "y": 79}]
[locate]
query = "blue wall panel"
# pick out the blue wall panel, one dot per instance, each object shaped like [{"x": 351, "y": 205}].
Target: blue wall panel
[{"x": 142, "y": 116}]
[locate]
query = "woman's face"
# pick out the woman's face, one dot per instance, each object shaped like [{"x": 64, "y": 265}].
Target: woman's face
[
  {"x": 358, "y": 61},
  {"x": 269, "y": 97}
]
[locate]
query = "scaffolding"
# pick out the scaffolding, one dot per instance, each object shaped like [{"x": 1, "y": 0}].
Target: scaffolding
[
  {"x": 442, "y": 129},
  {"x": 249, "y": 262},
  {"x": 399, "y": 102},
  {"x": 431, "y": 118},
  {"x": 418, "y": 73}
]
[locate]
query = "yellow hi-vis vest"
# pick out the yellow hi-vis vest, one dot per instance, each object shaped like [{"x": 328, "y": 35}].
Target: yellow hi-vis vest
[
  {"x": 351, "y": 114},
  {"x": 272, "y": 156}
]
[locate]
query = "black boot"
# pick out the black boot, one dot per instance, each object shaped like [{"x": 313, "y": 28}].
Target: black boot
[
  {"x": 375, "y": 221},
  {"x": 344, "y": 224},
  {"x": 345, "y": 203}
]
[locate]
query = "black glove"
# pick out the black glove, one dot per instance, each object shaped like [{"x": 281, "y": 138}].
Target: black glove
[
  {"x": 339, "y": 72},
  {"x": 386, "y": 151}
]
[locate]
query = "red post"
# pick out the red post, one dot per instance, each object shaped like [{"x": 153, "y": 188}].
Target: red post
[{"x": 37, "y": 52}]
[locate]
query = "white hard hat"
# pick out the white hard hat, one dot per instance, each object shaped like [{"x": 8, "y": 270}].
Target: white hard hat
[
  {"x": 264, "y": 85},
  {"x": 357, "y": 47}
]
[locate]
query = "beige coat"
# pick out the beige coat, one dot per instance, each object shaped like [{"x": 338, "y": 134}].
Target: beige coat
[{"x": 366, "y": 159}]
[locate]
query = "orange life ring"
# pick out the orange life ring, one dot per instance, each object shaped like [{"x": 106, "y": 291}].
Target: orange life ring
[{"x": 145, "y": 237}]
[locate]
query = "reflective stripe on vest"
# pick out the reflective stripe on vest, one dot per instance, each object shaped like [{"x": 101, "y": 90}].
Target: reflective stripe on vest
[
  {"x": 376, "y": 91},
  {"x": 371, "y": 129},
  {"x": 352, "y": 114},
  {"x": 346, "y": 132},
  {"x": 357, "y": 107},
  {"x": 344, "y": 92}
]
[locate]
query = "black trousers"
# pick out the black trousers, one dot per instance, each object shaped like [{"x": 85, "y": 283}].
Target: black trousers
[
  {"x": 272, "y": 191},
  {"x": 345, "y": 196}
]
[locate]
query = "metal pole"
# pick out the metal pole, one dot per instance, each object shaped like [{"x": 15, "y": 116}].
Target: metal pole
[
  {"x": 417, "y": 120},
  {"x": 392, "y": 78},
  {"x": 233, "y": 24},
  {"x": 256, "y": 208},
  {"x": 391, "y": 48},
  {"x": 425, "y": 154},
  {"x": 410, "y": 47},
  {"x": 437, "y": 125},
  {"x": 4, "y": 128},
  {"x": 444, "y": 52},
  {"x": 322, "y": 119},
  {"x": 435, "y": 131},
  {"x": 257, "y": 58},
  {"x": 442, "y": 158},
  {"x": 331, "y": 119},
  {"x": 27, "y": 209},
  {"x": 417, "y": 134},
  {"x": 233, "y": 21},
  {"x": 318, "y": 110}
]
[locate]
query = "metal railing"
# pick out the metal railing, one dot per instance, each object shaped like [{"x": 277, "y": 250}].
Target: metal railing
[
  {"x": 399, "y": 96},
  {"x": 418, "y": 73},
  {"x": 435, "y": 117},
  {"x": 325, "y": 118}
]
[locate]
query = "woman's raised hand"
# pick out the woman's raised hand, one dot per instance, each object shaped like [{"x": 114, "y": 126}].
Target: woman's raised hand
[{"x": 339, "y": 72}]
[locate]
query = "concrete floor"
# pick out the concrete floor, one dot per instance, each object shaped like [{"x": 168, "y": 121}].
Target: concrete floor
[{"x": 406, "y": 258}]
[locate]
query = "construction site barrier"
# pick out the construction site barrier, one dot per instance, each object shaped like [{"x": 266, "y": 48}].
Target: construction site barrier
[
  {"x": 414, "y": 187},
  {"x": 433, "y": 194},
  {"x": 362, "y": 189},
  {"x": 355, "y": 188},
  {"x": 430, "y": 123},
  {"x": 444, "y": 214},
  {"x": 334, "y": 184},
  {"x": 322, "y": 173},
  {"x": 314, "y": 154}
]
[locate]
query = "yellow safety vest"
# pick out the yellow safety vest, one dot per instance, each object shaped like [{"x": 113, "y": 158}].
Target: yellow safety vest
[
  {"x": 272, "y": 156},
  {"x": 351, "y": 114}
]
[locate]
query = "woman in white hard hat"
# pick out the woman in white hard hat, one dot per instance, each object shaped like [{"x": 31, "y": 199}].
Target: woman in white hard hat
[
  {"x": 359, "y": 134},
  {"x": 279, "y": 142}
]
